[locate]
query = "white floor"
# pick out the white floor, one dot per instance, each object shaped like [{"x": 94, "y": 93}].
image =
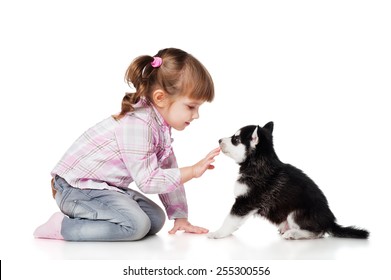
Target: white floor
[
  {"x": 256, "y": 240},
  {"x": 257, "y": 243}
]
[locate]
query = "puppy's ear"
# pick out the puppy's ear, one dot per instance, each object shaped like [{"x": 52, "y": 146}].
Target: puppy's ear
[
  {"x": 269, "y": 127},
  {"x": 255, "y": 138}
]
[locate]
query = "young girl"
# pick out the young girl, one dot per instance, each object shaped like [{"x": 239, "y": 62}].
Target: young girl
[{"x": 90, "y": 183}]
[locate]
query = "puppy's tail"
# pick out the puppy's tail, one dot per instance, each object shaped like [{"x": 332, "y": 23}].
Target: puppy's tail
[{"x": 348, "y": 232}]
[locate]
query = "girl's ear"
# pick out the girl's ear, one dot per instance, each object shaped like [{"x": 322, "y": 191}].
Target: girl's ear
[{"x": 160, "y": 98}]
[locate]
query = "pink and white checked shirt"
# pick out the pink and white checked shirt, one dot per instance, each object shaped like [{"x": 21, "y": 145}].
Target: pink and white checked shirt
[{"x": 137, "y": 148}]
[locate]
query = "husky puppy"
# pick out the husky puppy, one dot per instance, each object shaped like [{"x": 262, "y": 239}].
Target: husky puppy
[{"x": 280, "y": 192}]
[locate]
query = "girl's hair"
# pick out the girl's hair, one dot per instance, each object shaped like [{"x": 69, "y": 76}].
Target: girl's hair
[{"x": 179, "y": 74}]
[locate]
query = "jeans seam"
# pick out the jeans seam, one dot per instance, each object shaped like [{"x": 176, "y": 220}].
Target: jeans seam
[
  {"x": 64, "y": 198},
  {"x": 132, "y": 227}
]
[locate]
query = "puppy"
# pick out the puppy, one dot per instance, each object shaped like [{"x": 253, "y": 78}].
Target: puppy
[{"x": 280, "y": 192}]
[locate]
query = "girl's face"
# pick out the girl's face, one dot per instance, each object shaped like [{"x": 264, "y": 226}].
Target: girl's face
[{"x": 180, "y": 112}]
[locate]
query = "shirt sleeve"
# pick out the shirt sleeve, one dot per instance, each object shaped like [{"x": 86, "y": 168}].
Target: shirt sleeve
[
  {"x": 175, "y": 202},
  {"x": 138, "y": 145}
]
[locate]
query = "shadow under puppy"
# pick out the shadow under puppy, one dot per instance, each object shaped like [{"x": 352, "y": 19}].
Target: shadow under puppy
[{"x": 277, "y": 191}]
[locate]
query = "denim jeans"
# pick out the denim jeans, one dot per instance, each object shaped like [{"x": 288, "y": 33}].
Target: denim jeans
[{"x": 106, "y": 215}]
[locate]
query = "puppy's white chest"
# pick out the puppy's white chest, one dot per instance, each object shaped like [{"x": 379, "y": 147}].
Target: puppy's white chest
[{"x": 240, "y": 189}]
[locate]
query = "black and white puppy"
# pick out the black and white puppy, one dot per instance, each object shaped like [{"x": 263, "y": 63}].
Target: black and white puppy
[{"x": 280, "y": 192}]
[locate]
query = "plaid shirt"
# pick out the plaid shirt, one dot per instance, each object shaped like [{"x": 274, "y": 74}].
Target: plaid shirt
[{"x": 137, "y": 148}]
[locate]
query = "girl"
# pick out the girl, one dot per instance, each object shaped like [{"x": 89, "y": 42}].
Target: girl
[{"x": 90, "y": 183}]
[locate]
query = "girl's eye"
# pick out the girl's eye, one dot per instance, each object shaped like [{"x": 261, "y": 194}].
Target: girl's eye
[{"x": 190, "y": 107}]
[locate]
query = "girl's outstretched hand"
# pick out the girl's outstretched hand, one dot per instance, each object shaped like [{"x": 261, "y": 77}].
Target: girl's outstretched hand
[
  {"x": 196, "y": 170},
  {"x": 206, "y": 163},
  {"x": 184, "y": 225}
]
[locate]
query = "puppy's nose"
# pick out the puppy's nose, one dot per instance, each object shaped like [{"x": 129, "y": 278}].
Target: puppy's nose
[{"x": 221, "y": 140}]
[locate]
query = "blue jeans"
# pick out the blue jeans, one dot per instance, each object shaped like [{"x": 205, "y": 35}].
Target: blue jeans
[{"x": 106, "y": 215}]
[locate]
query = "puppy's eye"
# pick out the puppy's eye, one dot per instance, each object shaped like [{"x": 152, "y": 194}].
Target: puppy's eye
[{"x": 235, "y": 140}]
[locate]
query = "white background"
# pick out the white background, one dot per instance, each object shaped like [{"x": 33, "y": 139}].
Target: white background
[{"x": 319, "y": 69}]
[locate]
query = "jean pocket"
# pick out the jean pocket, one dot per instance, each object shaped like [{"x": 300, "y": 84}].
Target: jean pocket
[{"x": 82, "y": 210}]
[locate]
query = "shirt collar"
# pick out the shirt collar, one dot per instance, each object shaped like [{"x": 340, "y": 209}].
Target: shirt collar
[{"x": 157, "y": 116}]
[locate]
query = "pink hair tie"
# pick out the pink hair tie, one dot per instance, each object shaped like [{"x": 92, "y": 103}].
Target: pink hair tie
[{"x": 157, "y": 61}]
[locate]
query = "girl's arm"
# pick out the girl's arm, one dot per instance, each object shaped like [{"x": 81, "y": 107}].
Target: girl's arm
[{"x": 188, "y": 173}]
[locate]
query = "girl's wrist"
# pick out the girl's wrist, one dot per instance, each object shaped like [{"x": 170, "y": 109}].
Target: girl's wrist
[
  {"x": 187, "y": 173},
  {"x": 193, "y": 172}
]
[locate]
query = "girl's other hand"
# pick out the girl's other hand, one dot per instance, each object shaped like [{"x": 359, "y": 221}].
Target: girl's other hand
[{"x": 183, "y": 224}]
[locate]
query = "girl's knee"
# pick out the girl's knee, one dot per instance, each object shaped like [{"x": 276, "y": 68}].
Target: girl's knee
[
  {"x": 148, "y": 225},
  {"x": 157, "y": 221},
  {"x": 140, "y": 227}
]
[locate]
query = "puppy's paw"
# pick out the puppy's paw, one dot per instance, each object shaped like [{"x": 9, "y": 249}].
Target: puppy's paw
[
  {"x": 283, "y": 227},
  {"x": 295, "y": 234},
  {"x": 216, "y": 235},
  {"x": 289, "y": 235}
]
